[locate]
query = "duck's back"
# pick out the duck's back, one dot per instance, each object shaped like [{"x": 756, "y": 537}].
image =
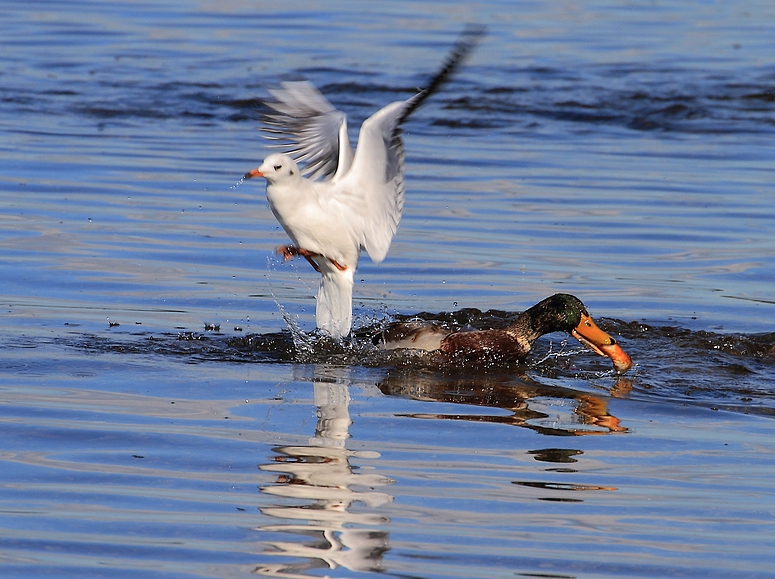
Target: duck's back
[{"x": 413, "y": 335}]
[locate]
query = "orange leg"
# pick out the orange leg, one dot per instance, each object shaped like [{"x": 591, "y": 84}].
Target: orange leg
[
  {"x": 337, "y": 265},
  {"x": 291, "y": 251}
]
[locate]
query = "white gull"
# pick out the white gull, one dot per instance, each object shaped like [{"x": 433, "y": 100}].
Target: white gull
[{"x": 357, "y": 202}]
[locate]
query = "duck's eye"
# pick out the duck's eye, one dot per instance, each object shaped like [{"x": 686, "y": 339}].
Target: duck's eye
[{"x": 278, "y": 167}]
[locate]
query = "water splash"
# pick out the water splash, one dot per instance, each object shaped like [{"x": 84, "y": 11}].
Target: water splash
[
  {"x": 303, "y": 342},
  {"x": 370, "y": 321},
  {"x": 565, "y": 352}
]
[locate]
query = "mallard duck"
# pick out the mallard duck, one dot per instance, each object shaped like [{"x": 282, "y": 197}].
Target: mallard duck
[
  {"x": 358, "y": 203},
  {"x": 558, "y": 313}
]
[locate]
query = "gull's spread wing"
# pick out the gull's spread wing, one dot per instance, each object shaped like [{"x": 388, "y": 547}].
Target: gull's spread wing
[
  {"x": 374, "y": 185},
  {"x": 306, "y": 126}
]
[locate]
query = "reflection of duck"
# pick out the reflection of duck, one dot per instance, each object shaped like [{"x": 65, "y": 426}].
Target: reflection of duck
[
  {"x": 560, "y": 312},
  {"x": 550, "y": 410}
]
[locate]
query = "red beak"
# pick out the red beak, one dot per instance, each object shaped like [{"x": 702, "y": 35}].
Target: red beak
[{"x": 253, "y": 173}]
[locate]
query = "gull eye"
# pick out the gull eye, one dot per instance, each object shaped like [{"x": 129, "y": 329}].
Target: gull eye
[{"x": 278, "y": 167}]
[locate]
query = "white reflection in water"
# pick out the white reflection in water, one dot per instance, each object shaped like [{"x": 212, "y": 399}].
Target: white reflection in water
[{"x": 321, "y": 472}]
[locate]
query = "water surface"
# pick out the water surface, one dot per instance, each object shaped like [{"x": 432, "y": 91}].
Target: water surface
[{"x": 158, "y": 418}]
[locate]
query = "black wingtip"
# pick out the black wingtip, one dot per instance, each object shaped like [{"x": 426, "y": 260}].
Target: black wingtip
[
  {"x": 468, "y": 40},
  {"x": 473, "y": 31}
]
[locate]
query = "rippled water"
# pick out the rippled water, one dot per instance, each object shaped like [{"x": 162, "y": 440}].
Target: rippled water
[{"x": 159, "y": 418}]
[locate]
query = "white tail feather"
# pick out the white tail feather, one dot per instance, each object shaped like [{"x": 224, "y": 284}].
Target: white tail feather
[{"x": 334, "y": 310}]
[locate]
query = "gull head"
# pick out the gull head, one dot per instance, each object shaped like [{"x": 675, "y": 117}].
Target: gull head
[{"x": 276, "y": 168}]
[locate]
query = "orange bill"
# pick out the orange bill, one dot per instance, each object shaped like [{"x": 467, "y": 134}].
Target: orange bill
[
  {"x": 601, "y": 343},
  {"x": 253, "y": 173},
  {"x": 620, "y": 358}
]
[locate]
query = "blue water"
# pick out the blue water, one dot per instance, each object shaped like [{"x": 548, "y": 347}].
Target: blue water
[{"x": 158, "y": 420}]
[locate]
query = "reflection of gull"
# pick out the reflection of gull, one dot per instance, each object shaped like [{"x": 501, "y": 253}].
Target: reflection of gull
[
  {"x": 360, "y": 204},
  {"x": 321, "y": 472}
]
